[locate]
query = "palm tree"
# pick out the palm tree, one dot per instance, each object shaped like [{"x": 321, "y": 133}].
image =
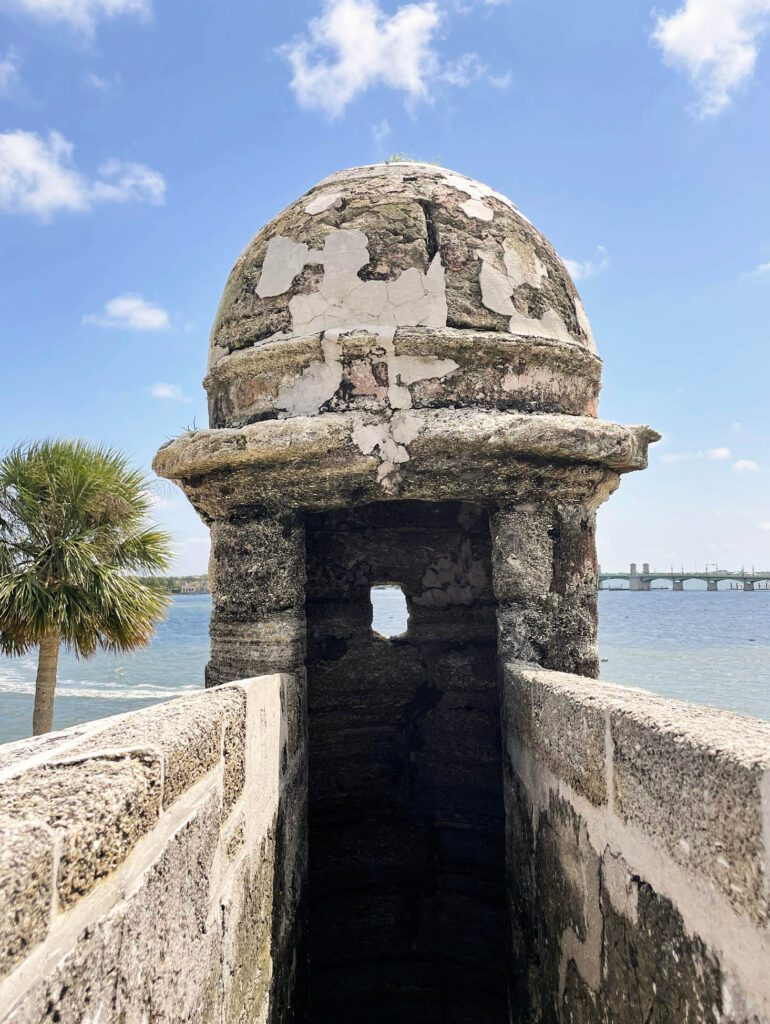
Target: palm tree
[{"x": 73, "y": 531}]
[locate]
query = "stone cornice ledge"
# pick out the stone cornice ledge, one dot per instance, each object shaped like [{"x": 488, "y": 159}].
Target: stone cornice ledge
[{"x": 433, "y": 454}]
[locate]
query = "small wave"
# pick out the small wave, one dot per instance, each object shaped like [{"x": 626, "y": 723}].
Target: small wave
[{"x": 68, "y": 688}]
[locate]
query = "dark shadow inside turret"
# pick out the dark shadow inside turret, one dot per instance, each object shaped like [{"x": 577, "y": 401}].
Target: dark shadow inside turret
[{"x": 406, "y": 822}]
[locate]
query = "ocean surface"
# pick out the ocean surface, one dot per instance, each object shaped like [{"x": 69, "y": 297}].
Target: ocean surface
[{"x": 691, "y": 645}]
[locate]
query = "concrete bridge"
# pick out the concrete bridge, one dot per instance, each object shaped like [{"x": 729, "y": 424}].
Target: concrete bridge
[{"x": 643, "y": 580}]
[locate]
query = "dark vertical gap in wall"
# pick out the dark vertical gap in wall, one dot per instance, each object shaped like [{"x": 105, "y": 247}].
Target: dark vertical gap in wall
[{"x": 406, "y": 841}]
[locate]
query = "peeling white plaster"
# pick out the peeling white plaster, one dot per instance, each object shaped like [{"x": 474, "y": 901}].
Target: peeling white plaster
[
  {"x": 390, "y": 440},
  {"x": 318, "y": 383},
  {"x": 478, "y": 192},
  {"x": 497, "y": 288},
  {"x": 323, "y": 203},
  {"x": 321, "y": 379},
  {"x": 475, "y": 208},
  {"x": 343, "y": 300},
  {"x": 523, "y": 265}
]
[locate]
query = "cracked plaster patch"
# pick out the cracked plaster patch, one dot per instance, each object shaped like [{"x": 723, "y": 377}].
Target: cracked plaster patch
[
  {"x": 475, "y": 207},
  {"x": 413, "y": 299},
  {"x": 324, "y": 202},
  {"x": 320, "y": 380},
  {"x": 390, "y": 439},
  {"x": 497, "y": 288}
]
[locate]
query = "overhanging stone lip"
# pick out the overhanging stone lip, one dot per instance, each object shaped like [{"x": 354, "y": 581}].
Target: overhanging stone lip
[{"x": 466, "y": 452}]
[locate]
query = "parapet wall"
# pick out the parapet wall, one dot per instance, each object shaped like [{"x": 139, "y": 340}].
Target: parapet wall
[
  {"x": 150, "y": 864},
  {"x": 638, "y": 832}
]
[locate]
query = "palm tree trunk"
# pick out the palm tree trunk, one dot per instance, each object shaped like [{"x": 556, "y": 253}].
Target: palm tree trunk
[{"x": 45, "y": 683}]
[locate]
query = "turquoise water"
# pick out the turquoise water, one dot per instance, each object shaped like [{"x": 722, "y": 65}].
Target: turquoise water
[{"x": 708, "y": 648}]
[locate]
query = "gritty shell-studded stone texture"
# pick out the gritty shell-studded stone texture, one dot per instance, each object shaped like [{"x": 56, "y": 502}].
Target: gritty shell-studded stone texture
[{"x": 400, "y": 285}]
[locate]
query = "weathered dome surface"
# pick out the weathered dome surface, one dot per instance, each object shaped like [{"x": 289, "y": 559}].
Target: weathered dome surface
[{"x": 399, "y": 285}]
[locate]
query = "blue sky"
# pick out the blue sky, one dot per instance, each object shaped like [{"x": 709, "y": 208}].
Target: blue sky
[{"x": 143, "y": 143}]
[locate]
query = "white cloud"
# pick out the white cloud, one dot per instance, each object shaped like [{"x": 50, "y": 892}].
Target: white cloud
[
  {"x": 131, "y": 313},
  {"x": 9, "y": 70},
  {"x": 354, "y": 44},
  {"x": 714, "y": 454},
  {"x": 37, "y": 176},
  {"x": 80, "y": 14},
  {"x": 102, "y": 83},
  {"x": 716, "y": 42},
  {"x": 763, "y": 268},
  {"x": 764, "y": 526},
  {"x": 745, "y": 466},
  {"x": 168, "y": 391},
  {"x": 579, "y": 271},
  {"x": 470, "y": 68},
  {"x": 366, "y": 47},
  {"x": 380, "y": 132}
]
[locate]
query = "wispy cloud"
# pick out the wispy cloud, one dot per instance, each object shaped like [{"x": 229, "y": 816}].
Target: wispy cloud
[
  {"x": 130, "y": 312},
  {"x": 171, "y": 392},
  {"x": 579, "y": 271},
  {"x": 355, "y": 45},
  {"x": 102, "y": 83},
  {"x": 716, "y": 42},
  {"x": 37, "y": 176},
  {"x": 763, "y": 268},
  {"x": 380, "y": 133},
  {"x": 764, "y": 526},
  {"x": 713, "y": 454},
  {"x": 9, "y": 70},
  {"x": 745, "y": 466},
  {"x": 80, "y": 14}
]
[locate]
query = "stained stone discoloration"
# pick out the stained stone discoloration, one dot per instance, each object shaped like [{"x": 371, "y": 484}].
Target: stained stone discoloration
[
  {"x": 26, "y": 890},
  {"x": 97, "y": 808}
]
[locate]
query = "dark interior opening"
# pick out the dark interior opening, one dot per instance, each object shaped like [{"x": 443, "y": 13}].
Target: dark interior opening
[{"x": 407, "y": 915}]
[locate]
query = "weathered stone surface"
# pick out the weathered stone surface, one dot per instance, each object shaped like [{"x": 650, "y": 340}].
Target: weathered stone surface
[
  {"x": 155, "y": 956},
  {"x": 188, "y": 734},
  {"x": 258, "y": 596},
  {"x": 26, "y": 889},
  {"x": 564, "y": 727},
  {"x": 691, "y": 779},
  {"x": 399, "y": 245},
  {"x": 340, "y": 459},
  {"x": 417, "y": 368},
  {"x": 98, "y": 807}
]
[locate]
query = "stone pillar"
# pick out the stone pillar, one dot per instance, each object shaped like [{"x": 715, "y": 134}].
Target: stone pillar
[
  {"x": 678, "y": 584},
  {"x": 712, "y": 585},
  {"x": 257, "y": 576},
  {"x": 545, "y": 580},
  {"x": 748, "y": 585},
  {"x": 645, "y": 568}
]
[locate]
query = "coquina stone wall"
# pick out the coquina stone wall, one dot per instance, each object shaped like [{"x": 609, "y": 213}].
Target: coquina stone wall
[
  {"x": 146, "y": 873},
  {"x": 638, "y": 832}
]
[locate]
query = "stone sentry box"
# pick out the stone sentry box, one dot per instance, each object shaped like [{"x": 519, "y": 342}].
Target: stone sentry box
[{"x": 402, "y": 388}]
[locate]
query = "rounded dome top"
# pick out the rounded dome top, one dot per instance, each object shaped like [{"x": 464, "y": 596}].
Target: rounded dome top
[
  {"x": 396, "y": 245},
  {"x": 397, "y": 286}
]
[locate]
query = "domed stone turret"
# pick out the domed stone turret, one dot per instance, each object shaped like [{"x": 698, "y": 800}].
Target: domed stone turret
[
  {"x": 402, "y": 390},
  {"x": 399, "y": 285}
]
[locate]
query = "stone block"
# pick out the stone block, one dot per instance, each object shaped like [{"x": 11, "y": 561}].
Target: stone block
[
  {"x": 26, "y": 890},
  {"x": 561, "y": 720},
  {"x": 155, "y": 955},
  {"x": 99, "y": 807},
  {"x": 187, "y": 732},
  {"x": 690, "y": 778}
]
